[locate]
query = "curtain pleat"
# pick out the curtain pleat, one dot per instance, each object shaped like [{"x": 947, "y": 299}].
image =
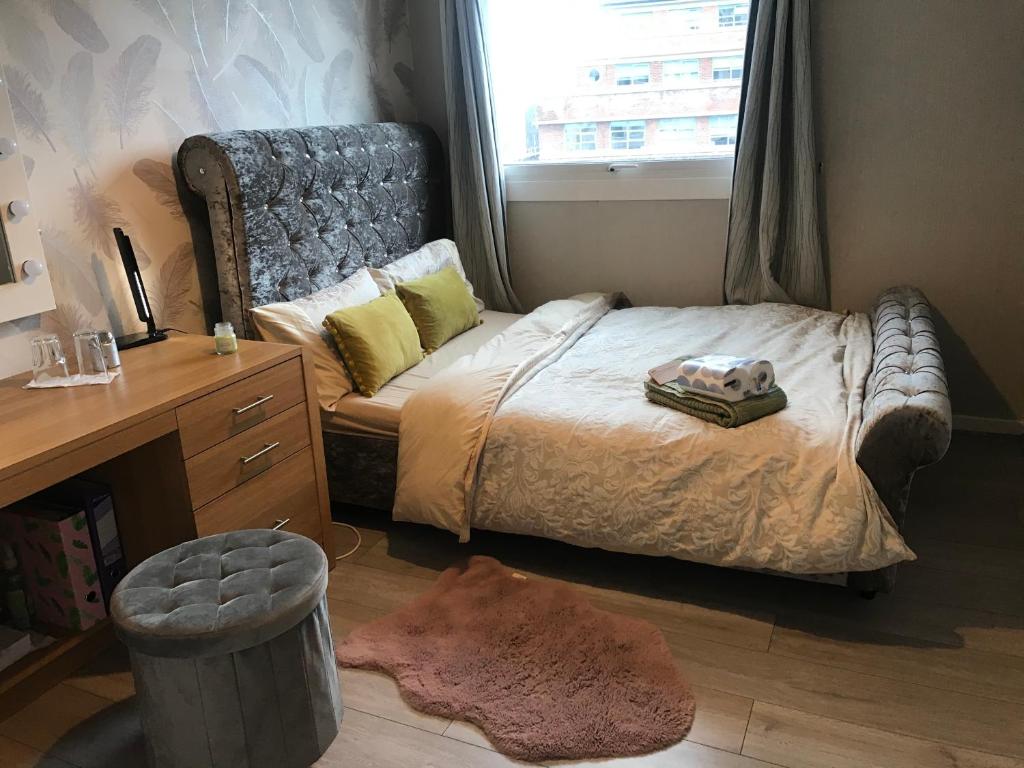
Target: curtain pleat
[
  {"x": 774, "y": 248},
  {"x": 477, "y": 177}
]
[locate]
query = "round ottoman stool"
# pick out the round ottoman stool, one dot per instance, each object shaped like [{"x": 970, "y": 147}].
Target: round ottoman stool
[{"x": 231, "y": 651}]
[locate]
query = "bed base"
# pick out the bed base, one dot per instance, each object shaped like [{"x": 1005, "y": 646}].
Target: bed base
[{"x": 361, "y": 470}]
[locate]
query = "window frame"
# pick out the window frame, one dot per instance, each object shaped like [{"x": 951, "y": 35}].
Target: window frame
[
  {"x": 681, "y": 173},
  {"x": 681, "y": 178}
]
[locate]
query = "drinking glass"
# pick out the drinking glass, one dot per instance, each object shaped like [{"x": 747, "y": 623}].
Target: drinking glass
[
  {"x": 48, "y": 360},
  {"x": 89, "y": 353}
]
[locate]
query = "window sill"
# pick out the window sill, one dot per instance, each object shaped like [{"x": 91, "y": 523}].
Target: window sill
[{"x": 680, "y": 179}]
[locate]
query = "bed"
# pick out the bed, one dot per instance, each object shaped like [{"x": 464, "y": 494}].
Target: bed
[{"x": 293, "y": 211}]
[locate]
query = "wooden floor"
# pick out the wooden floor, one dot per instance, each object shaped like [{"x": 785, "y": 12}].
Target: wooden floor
[{"x": 786, "y": 673}]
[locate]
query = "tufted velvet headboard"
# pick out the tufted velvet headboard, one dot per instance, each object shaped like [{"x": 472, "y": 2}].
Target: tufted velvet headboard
[{"x": 296, "y": 210}]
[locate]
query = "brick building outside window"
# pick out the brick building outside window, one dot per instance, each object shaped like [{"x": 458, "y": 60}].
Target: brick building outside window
[{"x": 639, "y": 79}]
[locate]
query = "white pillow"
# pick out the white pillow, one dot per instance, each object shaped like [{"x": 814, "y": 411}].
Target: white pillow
[
  {"x": 430, "y": 258},
  {"x": 301, "y": 322}
]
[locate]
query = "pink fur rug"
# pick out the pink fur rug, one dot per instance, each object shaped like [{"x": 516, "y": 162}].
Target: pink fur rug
[{"x": 532, "y": 663}]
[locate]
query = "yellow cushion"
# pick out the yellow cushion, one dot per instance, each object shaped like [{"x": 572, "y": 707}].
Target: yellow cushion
[
  {"x": 377, "y": 341},
  {"x": 440, "y": 305},
  {"x": 301, "y": 322}
]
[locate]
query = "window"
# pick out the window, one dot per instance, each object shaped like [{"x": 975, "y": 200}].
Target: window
[
  {"x": 580, "y": 137},
  {"x": 722, "y": 129},
  {"x": 688, "y": 19},
  {"x": 677, "y": 132},
  {"x": 637, "y": 21},
  {"x": 590, "y": 64},
  {"x": 677, "y": 70},
  {"x": 628, "y": 134},
  {"x": 733, "y": 15},
  {"x": 727, "y": 67},
  {"x": 632, "y": 74}
]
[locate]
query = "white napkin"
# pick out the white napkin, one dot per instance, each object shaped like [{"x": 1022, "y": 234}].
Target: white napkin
[{"x": 78, "y": 380}]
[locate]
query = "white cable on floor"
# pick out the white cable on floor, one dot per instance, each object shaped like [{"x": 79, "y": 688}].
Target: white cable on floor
[{"x": 359, "y": 539}]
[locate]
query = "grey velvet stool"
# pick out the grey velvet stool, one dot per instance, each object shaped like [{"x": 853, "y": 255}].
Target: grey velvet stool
[{"x": 231, "y": 651}]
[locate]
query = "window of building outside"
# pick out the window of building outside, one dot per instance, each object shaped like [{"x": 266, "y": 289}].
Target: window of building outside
[
  {"x": 727, "y": 67},
  {"x": 690, "y": 19},
  {"x": 733, "y": 15},
  {"x": 723, "y": 129},
  {"x": 677, "y": 70},
  {"x": 628, "y": 134},
  {"x": 677, "y": 133},
  {"x": 632, "y": 74},
  {"x": 586, "y": 80},
  {"x": 580, "y": 137}
]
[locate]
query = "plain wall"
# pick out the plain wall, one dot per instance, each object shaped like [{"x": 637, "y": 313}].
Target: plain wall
[
  {"x": 920, "y": 134},
  {"x": 425, "y": 40},
  {"x": 920, "y": 126},
  {"x": 658, "y": 252}
]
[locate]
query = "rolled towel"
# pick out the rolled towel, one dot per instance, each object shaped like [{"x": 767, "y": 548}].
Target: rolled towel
[
  {"x": 721, "y": 376},
  {"x": 713, "y": 409}
]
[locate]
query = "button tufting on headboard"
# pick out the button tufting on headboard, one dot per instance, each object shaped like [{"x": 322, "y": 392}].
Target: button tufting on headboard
[{"x": 296, "y": 210}]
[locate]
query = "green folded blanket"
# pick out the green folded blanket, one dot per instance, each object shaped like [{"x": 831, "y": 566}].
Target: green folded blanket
[{"x": 719, "y": 412}]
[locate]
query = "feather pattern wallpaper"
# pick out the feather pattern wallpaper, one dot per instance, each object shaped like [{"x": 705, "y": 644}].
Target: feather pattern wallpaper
[{"x": 103, "y": 93}]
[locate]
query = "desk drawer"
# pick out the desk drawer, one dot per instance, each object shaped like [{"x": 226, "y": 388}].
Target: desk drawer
[
  {"x": 286, "y": 491},
  {"x": 239, "y": 406},
  {"x": 241, "y": 458}
]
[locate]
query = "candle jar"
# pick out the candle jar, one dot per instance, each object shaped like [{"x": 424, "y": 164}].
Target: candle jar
[{"x": 224, "y": 340}]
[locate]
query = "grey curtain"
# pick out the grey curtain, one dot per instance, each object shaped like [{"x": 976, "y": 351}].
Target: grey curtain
[
  {"x": 478, "y": 184},
  {"x": 774, "y": 249}
]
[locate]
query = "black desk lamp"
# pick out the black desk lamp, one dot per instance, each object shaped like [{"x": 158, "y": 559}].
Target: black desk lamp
[{"x": 131, "y": 268}]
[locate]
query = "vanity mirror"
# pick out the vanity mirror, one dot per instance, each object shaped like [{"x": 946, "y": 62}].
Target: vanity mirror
[
  {"x": 24, "y": 278},
  {"x": 6, "y": 264}
]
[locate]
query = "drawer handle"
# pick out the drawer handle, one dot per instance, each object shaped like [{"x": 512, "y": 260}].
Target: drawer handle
[
  {"x": 278, "y": 524},
  {"x": 262, "y": 451},
  {"x": 254, "y": 404}
]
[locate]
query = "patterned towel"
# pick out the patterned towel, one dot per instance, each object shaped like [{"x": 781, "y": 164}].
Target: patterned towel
[
  {"x": 721, "y": 376},
  {"x": 719, "y": 412}
]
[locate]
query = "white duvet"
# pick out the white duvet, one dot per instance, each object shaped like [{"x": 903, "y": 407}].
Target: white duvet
[{"x": 546, "y": 431}]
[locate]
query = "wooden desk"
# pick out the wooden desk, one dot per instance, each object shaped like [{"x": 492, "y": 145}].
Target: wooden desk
[{"x": 169, "y": 436}]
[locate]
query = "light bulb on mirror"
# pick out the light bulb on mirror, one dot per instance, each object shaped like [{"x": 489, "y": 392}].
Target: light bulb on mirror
[
  {"x": 8, "y": 147},
  {"x": 18, "y": 209},
  {"x": 30, "y": 270}
]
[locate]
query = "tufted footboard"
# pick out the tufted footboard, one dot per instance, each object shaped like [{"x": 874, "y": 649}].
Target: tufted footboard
[{"x": 907, "y": 419}]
